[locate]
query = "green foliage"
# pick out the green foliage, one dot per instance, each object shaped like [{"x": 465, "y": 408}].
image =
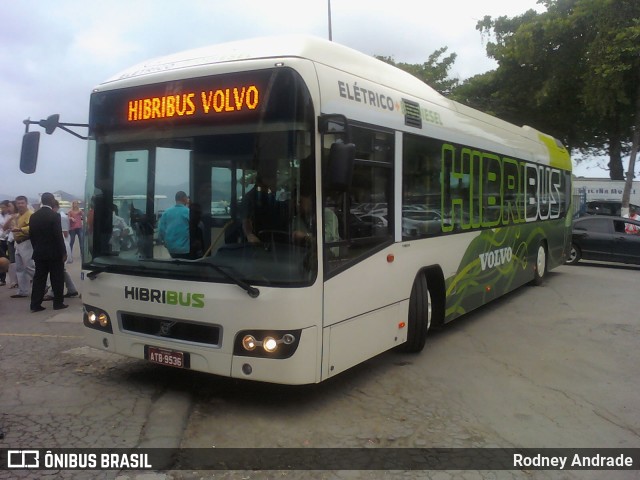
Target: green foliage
[
  {"x": 571, "y": 71},
  {"x": 434, "y": 72}
]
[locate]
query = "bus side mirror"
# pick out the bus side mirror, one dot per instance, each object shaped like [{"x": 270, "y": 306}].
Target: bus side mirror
[
  {"x": 29, "y": 152},
  {"x": 339, "y": 172},
  {"x": 333, "y": 123}
]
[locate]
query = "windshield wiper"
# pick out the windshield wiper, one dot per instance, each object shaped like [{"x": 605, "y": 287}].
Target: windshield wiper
[
  {"x": 108, "y": 268},
  {"x": 253, "y": 292}
]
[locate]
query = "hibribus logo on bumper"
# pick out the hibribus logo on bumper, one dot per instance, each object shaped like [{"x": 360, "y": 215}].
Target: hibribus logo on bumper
[{"x": 167, "y": 297}]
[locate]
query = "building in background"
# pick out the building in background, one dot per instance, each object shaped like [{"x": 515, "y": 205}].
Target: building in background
[{"x": 601, "y": 195}]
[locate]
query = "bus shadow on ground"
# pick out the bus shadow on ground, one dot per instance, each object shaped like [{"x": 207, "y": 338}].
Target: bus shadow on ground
[
  {"x": 206, "y": 387},
  {"x": 494, "y": 306}
]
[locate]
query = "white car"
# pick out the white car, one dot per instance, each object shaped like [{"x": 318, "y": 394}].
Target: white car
[{"x": 418, "y": 223}]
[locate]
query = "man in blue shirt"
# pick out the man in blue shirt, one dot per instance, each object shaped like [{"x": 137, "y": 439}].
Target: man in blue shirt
[{"x": 173, "y": 227}]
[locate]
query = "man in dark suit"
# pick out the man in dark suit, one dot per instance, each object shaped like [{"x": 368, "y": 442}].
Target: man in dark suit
[{"x": 49, "y": 254}]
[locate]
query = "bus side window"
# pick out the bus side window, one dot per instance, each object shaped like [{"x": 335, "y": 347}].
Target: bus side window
[
  {"x": 421, "y": 187},
  {"x": 365, "y": 212}
]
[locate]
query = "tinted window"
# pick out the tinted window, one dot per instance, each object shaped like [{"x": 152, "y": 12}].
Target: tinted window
[
  {"x": 364, "y": 214},
  {"x": 421, "y": 187},
  {"x": 601, "y": 225},
  {"x": 603, "y": 208}
]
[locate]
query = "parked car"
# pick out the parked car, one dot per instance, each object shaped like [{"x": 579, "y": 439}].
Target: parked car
[
  {"x": 378, "y": 224},
  {"x": 425, "y": 222},
  {"x": 605, "y": 238},
  {"x": 220, "y": 209}
]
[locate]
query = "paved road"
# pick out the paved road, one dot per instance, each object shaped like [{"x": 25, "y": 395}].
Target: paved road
[{"x": 550, "y": 366}]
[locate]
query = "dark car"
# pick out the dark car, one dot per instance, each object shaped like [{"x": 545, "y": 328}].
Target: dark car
[{"x": 610, "y": 239}]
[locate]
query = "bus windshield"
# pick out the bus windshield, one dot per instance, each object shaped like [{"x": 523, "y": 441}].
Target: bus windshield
[{"x": 207, "y": 179}]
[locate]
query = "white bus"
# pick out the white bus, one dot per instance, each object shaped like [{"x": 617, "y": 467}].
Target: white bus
[{"x": 339, "y": 208}]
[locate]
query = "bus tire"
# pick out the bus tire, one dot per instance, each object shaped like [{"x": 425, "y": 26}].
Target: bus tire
[
  {"x": 420, "y": 315},
  {"x": 540, "y": 267}
]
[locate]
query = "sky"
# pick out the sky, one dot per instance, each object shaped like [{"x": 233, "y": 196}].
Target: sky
[{"x": 52, "y": 54}]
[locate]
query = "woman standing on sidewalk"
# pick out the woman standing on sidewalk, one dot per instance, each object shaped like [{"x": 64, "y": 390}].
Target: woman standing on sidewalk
[
  {"x": 9, "y": 224},
  {"x": 75, "y": 226}
]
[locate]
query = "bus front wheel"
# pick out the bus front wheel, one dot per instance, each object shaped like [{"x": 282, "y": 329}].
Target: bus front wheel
[{"x": 420, "y": 316}]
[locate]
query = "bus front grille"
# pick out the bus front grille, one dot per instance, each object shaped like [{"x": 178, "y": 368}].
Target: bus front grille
[{"x": 171, "y": 329}]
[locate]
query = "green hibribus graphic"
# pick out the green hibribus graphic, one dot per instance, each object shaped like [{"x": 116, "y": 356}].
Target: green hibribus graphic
[{"x": 496, "y": 262}]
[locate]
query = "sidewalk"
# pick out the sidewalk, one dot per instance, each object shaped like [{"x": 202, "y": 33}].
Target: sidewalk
[
  {"x": 55, "y": 392},
  {"x": 18, "y": 309}
]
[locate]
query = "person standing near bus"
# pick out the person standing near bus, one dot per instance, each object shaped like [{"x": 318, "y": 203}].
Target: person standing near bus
[
  {"x": 75, "y": 228},
  {"x": 49, "y": 254},
  {"x": 72, "y": 291},
  {"x": 4, "y": 236},
  {"x": 173, "y": 227},
  {"x": 25, "y": 268},
  {"x": 10, "y": 222}
]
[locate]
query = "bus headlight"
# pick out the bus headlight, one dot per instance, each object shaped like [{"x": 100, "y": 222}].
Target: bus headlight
[
  {"x": 270, "y": 344},
  {"x": 97, "y": 319},
  {"x": 267, "y": 343},
  {"x": 249, "y": 343}
]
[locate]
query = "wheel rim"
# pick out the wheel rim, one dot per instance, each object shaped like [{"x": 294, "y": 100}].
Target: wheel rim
[
  {"x": 542, "y": 261},
  {"x": 429, "y": 310},
  {"x": 573, "y": 254}
]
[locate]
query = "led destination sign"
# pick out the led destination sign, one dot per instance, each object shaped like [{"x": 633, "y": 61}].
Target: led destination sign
[
  {"x": 232, "y": 99},
  {"x": 270, "y": 95}
]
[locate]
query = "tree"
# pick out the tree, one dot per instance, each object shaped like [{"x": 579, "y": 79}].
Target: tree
[
  {"x": 571, "y": 71},
  {"x": 613, "y": 89},
  {"x": 434, "y": 72}
]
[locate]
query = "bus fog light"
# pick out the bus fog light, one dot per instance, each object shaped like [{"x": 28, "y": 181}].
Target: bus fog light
[
  {"x": 270, "y": 344},
  {"x": 249, "y": 343},
  {"x": 103, "y": 319},
  {"x": 246, "y": 369},
  {"x": 96, "y": 318}
]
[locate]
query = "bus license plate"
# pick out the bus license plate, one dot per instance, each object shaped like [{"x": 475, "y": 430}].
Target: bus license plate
[{"x": 165, "y": 357}]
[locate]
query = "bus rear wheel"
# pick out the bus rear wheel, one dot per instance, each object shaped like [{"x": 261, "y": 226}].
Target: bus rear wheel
[
  {"x": 540, "y": 269},
  {"x": 420, "y": 316}
]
